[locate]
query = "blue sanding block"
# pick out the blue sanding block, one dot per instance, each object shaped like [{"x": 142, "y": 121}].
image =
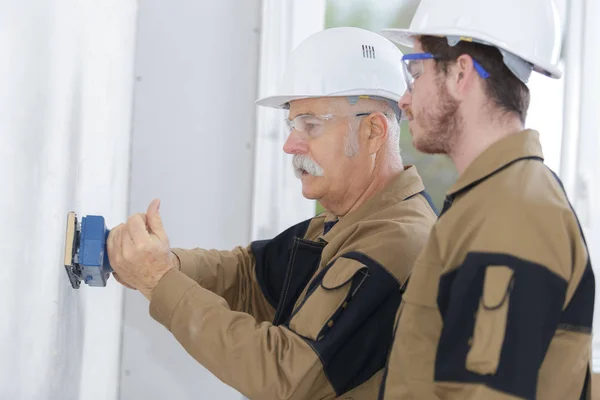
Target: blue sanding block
[{"x": 86, "y": 258}]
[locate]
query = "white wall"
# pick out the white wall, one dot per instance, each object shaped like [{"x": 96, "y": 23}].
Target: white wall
[
  {"x": 65, "y": 103},
  {"x": 193, "y": 147}
]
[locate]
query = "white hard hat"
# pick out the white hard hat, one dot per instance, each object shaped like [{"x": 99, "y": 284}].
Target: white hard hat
[
  {"x": 347, "y": 61},
  {"x": 527, "y": 29}
]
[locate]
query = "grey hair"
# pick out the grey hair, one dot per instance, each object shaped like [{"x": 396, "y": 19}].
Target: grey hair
[
  {"x": 351, "y": 146},
  {"x": 393, "y": 129}
]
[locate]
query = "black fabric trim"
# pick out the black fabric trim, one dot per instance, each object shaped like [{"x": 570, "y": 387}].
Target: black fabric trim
[
  {"x": 303, "y": 263},
  {"x": 272, "y": 257},
  {"x": 381, "y": 394},
  {"x": 357, "y": 344},
  {"x": 535, "y": 308},
  {"x": 579, "y": 314}
]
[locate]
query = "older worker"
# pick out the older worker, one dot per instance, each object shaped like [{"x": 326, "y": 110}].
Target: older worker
[{"x": 308, "y": 314}]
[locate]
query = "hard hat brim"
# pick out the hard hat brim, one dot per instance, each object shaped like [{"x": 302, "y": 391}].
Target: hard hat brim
[
  {"x": 281, "y": 101},
  {"x": 406, "y": 37},
  {"x": 403, "y": 37}
]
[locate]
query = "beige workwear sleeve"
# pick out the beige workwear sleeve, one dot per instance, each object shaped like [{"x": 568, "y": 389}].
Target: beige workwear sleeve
[
  {"x": 229, "y": 274},
  {"x": 260, "y": 360}
]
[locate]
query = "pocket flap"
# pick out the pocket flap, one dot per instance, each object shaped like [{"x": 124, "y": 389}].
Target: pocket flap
[
  {"x": 497, "y": 284},
  {"x": 341, "y": 272}
]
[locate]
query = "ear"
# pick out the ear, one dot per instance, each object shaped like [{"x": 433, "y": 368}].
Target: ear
[
  {"x": 462, "y": 76},
  {"x": 375, "y": 131}
]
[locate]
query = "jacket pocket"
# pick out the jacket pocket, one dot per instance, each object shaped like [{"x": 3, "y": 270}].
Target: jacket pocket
[
  {"x": 325, "y": 303},
  {"x": 490, "y": 321}
]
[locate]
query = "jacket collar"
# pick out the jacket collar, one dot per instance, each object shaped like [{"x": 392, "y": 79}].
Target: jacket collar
[{"x": 525, "y": 144}]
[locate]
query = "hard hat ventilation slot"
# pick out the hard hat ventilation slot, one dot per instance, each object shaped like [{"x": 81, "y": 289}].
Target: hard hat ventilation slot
[{"x": 368, "y": 51}]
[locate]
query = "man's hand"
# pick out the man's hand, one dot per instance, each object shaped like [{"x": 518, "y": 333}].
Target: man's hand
[{"x": 139, "y": 251}]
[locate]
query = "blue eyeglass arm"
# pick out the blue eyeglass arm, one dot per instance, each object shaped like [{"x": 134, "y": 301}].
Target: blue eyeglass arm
[
  {"x": 418, "y": 56},
  {"x": 428, "y": 56},
  {"x": 482, "y": 72}
]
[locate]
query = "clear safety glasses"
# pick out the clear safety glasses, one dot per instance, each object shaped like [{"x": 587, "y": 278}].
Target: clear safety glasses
[
  {"x": 412, "y": 67},
  {"x": 311, "y": 126}
]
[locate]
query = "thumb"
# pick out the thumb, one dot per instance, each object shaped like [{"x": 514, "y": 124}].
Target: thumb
[{"x": 154, "y": 221}]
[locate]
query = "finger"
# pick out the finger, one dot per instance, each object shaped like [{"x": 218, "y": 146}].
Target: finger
[
  {"x": 136, "y": 225},
  {"x": 154, "y": 220}
]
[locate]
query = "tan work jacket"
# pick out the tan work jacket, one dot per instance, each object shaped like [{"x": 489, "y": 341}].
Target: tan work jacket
[
  {"x": 500, "y": 302},
  {"x": 308, "y": 314}
]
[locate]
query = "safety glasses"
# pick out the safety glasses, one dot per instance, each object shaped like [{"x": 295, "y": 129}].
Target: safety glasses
[
  {"x": 412, "y": 67},
  {"x": 312, "y": 125}
]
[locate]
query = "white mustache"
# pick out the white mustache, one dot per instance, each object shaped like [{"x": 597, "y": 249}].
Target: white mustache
[{"x": 302, "y": 162}]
